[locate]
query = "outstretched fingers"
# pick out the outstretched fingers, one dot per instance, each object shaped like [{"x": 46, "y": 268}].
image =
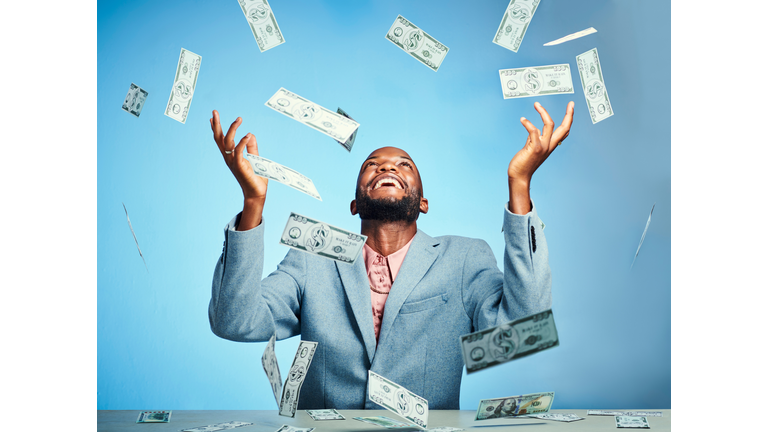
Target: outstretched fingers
[
  {"x": 564, "y": 129},
  {"x": 549, "y": 125},
  {"x": 533, "y": 133},
  {"x": 216, "y": 128},
  {"x": 229, "y": 139}
]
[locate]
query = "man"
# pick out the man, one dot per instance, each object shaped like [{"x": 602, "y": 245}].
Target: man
[{"x": 400, "y": 308}]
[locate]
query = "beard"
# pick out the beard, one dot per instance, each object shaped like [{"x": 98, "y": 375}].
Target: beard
[{"x": 405, "y": 209}]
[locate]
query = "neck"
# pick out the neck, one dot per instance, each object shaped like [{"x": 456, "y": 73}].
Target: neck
[{"x": 387, "y": 238}]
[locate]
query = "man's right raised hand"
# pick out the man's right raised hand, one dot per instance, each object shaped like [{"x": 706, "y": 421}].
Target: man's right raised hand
[{"x": 254, "y": 187}]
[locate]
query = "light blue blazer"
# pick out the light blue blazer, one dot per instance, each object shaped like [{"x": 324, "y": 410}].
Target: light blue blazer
[{"x": 448, "y": 286}]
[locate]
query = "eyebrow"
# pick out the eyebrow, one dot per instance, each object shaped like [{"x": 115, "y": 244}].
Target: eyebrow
[{"x": 376, "y": 157}]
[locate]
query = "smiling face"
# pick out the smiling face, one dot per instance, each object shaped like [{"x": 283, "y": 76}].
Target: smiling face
[{"x": 389, "y": 187}]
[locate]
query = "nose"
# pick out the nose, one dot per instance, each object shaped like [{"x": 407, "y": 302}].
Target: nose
[{"x": 388, "y": 166}]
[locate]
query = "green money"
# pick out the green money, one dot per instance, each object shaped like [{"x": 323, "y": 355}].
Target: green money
[
  {"x": 321, "y": 119},
  {"x": 321, "y": 239},
  {"x": 263, "y": 167},
  {"x": 398, "y": 399},
  {"x": 134, "y": 100},
  {"x": 514, "y": 406},
  {"x": 154, "y": 417},
  {"x": 296, "y": 376},
  {"x": 593, "y": 83},
  {"x": 632, "y": 422},
  {"x": 384, "y": 421},
  {"x": 515, "y": 23},
  {"x": 262, "y": 22},
  {"x": 183, "y": 86},
  {"x": 509, "y": 341},
  {"x": 536, "y": 81},
  {"x": 417, "y": 43}
]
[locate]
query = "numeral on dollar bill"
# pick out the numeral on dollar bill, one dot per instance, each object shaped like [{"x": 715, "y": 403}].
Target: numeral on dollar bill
[
  {"x": 514, "y": 406},
  {"x": 417, "y": 43},
  {"x": 515, "y": 339},
  {"x": 515, "y": 23},
  {"x": 321, "y": 239},
  {"x": 262, "y": 22},
  {"x": 296, "y": 376},
  {"x": 398, "y": 399},
  {"x": 593, "y": 83},
  {"x": 536, "y": 81},
  {"x": 183, "y": 86}
]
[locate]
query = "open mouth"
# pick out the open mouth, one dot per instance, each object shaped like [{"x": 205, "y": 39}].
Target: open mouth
[{"x": 388, "y": 181}]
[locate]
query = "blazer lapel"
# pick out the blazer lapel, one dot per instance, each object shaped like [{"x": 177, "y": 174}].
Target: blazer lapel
[
  {"x": 418, "y": 260},
  {"x": 355, "y": 282}
]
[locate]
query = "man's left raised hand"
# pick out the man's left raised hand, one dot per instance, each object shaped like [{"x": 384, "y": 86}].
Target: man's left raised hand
[{"x": 537, "y": 149}]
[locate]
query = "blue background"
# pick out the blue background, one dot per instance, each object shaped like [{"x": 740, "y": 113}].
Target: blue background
[{"x": 155, "y": 347}]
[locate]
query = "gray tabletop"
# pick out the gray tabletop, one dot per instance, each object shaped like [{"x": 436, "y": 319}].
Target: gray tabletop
[{"x": 270, "y": 421}]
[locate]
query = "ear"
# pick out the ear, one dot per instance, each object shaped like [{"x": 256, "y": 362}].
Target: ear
[
  {"x": 424, "y": 205},
  {"x": 353, "y": 207}
]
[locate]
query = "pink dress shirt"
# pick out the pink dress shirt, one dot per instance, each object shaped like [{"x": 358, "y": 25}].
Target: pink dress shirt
[{"x": 382, "y": 271}]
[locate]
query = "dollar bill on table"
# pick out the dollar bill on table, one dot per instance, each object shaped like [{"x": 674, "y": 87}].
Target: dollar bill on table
[
  {"x": 643, "y": 413},
  {"x": 271, "y": 368},
  {"x": 296, "y": 376},
  {"x": 572, "y": 36},
  {"x": 332, "y": 124},
  {"x": 398, "y": 399},
  {"x": 351, "y": 140},
  {"x": 325, "y": 414},
  {"x": 154, "y": 417},
  {"x": 443, "y": 429},
  {"x": 321, "y": 239},
  {"x": 183, "y": 86},
  {"x": 506, "y": 342},
  {"x": 134, "y": 100},
  {"x": 264, "y": 167},
  {"x": 515, "y": 23},
  {"x": 593, "y": 83},
  {"x": 262, "y": 22},
  {"x": 287, "y": 428},
  {"x": 536, "y": 81},
  {"x": 384, "y": 421},
  {"x": 604, "y": 412},
  {"x": 417, "y": 43},
  {"x": 218, "y": 427},
  {"x": 632, "y": 422},
  {"x": 556, "y": 417},
  {"x": 514, "y": 406}
]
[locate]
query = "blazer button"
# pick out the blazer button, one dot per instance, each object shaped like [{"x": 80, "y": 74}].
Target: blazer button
[{"x": 533, "y": 239}]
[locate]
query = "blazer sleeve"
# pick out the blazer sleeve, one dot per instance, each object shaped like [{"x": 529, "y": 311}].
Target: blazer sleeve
[
  {"x": 525, "y": 288},
  {"x": 245, "y": 308}
]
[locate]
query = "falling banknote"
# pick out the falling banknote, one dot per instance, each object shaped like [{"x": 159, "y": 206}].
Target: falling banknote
[
  {"x": 398, "y": 399},
  {"x": 296, "y": 376},
  {"x": 506, "y": 342},
  {"x": 319, "y": 238},
  {"x": 515, "y": 23},
  {"x": 514, "y": 406},
  {"x": 351, "y": 140},
  {"x": 417, "y": 43},
  {"x": 262, "y": 22},
  {"x": 183, "y": 86},
  {"x": 321, "y": 119},
  {"x": 536, "y": 81},
  {"x": 269, "y": 362},
  {"x": 593, "y": 83},
  {"x": 274, "y": 171},
  {"x": 572, "y": 36},
  {"x": 134, "y": 100}
]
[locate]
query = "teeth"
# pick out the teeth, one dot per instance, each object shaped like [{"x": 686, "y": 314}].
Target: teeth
[{"x": 387, "y": 181}]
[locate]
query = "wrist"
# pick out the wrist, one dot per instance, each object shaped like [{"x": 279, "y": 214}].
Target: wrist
[
  {"x": 251, "y": 216},
  {"x": 519, "y": 196}
]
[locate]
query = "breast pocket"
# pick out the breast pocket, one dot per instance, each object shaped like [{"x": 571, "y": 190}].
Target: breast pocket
[{"x": 425, "y": 304}]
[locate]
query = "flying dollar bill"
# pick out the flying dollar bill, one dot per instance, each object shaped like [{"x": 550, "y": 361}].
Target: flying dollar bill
[
  {"x": 536, "y": 81},
  {"x": 262, "y": 22},
  {"x": 183, "y": 86},
  {"x": 274, "y": 171},
  {"x": 593, "y": 83},
  {"x": 632, "y": 422},
  {"x": 296, "y": 376},
  {"x": 417, "y": 43},
  {"x": 643, "y": 237},
  {"x": 515, "y": 23},
  {"x": 218, "y": 426},
  {"x": 556, "y": 417},
  {"x": 351, "y": 141},
  {"x": 134, "y": 100},
  {"x": 572, "y": 36},
  {"x": 325, "y": 414},
  {"x": 332, "y": 124},
  {"x": 154, "y": 417},
  {"x": 514, "y": 406},
  {"x": 506, "y": 342},
  {"x": 269, "y": 362},
  {"x": 398, "y": 399},
  {"x": 321, "y": 239}
]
